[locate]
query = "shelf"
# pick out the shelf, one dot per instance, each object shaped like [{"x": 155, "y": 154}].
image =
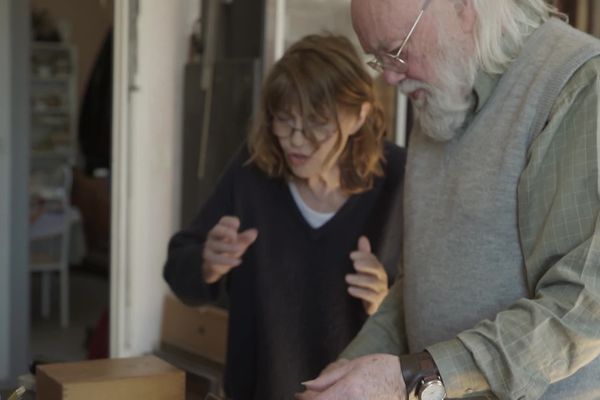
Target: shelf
[
  {"x": 43, "y": 113},
  {"x": 51, "y": 154},
  {"x": 53, "y": 100},
  {"x": 50, "y": 46},
  {"x": 45, "y": 120},
  {"x": 63, "y": 80}
]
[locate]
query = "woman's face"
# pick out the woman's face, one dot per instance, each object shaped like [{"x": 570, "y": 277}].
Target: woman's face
[{"x": 305, "y": 158}]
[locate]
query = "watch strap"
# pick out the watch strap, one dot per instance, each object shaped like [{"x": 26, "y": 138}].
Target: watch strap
[{"x": 415, "y": 367}]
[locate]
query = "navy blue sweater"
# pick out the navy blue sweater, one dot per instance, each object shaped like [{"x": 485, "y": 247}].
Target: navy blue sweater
[{"x": 289, "y": 310}]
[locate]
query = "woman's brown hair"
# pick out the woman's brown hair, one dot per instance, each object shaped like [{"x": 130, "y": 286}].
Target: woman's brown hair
[{"x": 320, "y": 75}]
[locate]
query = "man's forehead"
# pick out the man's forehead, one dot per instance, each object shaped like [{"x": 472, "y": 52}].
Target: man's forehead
[{"x": 386, "y": 7}]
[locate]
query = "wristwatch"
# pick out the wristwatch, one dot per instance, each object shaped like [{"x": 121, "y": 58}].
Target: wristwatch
[
  {"x": 422, "y": 376},
  {"x": 431, "y": 388}
]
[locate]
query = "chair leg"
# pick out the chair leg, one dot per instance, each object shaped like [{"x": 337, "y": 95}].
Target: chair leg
[
  {"x": 64, "y": 298},
  {"x": 46, "y": 294}
]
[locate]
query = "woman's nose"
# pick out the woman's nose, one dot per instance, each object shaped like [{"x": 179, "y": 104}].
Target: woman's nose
[{"x": 297, "y": 137}]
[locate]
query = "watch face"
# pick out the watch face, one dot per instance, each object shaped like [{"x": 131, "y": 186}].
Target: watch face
[{"x": 433, "y": 390}]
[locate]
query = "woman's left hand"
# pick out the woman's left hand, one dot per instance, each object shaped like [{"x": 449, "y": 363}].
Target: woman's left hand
[{"x": 370, "y": 283}]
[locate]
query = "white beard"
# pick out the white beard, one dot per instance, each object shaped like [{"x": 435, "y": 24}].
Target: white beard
[{"x": 441, "y": 111}]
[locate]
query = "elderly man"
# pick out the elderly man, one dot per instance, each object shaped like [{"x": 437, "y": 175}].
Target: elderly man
[{"x": 500, "y": 294}]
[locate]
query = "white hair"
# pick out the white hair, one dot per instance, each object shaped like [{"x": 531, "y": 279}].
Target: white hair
[
  {"x": 442, "y": 109},
  {"x": 502, "y": 27}
]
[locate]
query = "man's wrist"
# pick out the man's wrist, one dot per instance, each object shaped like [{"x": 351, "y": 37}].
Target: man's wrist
[{"x": 415, "y": 367}]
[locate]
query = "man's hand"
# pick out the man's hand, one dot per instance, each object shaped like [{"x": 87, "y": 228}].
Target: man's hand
[
  {"x": 370, "y": 283},
  {"x": 224, "y": 248},
  {"x": 335, "y": 365},
  {"x": 375, "y": 376}
]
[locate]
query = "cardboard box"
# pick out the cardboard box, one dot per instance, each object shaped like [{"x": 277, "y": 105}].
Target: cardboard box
[
  {"x": 148, "y": 378},
  {"x": 200, "y": 331}
]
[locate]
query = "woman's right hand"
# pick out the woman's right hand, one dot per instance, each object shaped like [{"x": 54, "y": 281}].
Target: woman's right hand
[{"x": 224, "y": 248}]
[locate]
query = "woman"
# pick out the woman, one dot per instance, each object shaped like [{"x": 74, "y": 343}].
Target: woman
[{"x": 293, "y": 221}]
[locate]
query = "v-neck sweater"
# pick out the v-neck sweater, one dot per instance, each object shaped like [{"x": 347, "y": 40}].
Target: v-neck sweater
[
  {"x": 314, "y": 218},
  {"x": 289, "y": 310}
]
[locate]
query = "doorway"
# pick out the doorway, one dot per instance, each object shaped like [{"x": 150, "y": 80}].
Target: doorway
[{"x": 69, "y": 217}]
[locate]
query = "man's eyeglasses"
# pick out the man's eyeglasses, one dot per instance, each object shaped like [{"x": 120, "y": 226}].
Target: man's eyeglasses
[
  {"x": 284, "y": 128},
  {"x": 394, "y": 60}
]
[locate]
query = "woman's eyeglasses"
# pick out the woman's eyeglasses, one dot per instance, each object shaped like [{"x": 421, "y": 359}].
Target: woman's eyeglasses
[{"x": 284, "y": 128}]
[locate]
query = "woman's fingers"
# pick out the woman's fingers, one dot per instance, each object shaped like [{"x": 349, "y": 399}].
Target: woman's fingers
[
  {"x": 220, "y": 246},
  {"x": 224, "y": 237},
  {"x": 363, "y": 294},
  {"x": 371, "y": 267},
  {"x": 222, "y": 232},
  {"x": 364, "y": 282},
  {"x": 224, "y": 247},
  {"x": 364, "y": 245},
  {"x": 246, "y": 238},
  {"x": 371, "y": 299},
  {"x": 230, "y": 222},
  {"x": 216, "y": 265},
  {"x": 220, "y": 258},
  {"x": 370, "y": 283}
]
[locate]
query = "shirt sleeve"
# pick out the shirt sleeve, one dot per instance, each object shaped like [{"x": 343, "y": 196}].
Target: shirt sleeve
[
  {"x": 548, "y": 337},
  {"x": 183, "y": 268},
  {"x": 383, "y": 332}
]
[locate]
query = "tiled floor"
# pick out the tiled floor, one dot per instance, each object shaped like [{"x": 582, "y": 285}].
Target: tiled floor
[{"x": 89, "y": 298}]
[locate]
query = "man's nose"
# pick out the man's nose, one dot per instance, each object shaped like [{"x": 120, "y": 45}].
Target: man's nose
[{"x": 393, "y": 77}]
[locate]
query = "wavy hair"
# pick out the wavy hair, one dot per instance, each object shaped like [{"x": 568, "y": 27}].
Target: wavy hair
[
  {"x": 321, "y": 76},
  {"x": 502, "y": 27}
]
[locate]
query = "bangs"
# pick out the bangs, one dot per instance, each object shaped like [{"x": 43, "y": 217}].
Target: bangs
[{"x": 295, "y": 86}]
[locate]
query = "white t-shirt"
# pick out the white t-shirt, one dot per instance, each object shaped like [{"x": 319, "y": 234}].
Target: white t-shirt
[{"x": 314, "y": 218}]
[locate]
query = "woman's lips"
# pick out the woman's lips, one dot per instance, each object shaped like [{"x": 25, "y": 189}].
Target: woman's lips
[{"x": 297, "y": 159}]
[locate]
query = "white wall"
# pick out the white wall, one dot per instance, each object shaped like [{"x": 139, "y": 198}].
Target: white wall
[
  {"x": 332, "y": 15},
  {"x": 289, "y": 20},
  {"x": 146, "y": 165}
]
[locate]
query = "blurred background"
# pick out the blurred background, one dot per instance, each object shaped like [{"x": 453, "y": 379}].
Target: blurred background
[{"x": 117, "y": 118}]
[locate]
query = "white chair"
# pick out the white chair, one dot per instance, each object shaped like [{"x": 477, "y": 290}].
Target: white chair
[{"x": 50, "y": 240}]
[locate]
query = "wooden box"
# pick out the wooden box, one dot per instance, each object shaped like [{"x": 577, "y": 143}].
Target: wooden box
[
  {"x": 148, "y": 378},
  {"x": 200, "y": 331}
]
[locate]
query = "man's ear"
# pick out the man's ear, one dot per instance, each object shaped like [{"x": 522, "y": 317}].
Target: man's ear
[
  {"x": 466, "y": 14},
  {"x": 365, "y": 109}
]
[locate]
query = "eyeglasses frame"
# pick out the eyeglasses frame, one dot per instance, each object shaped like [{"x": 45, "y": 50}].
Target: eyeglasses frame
[
  {"x": 304, "y": 131},
  {"x": 378, "y": 65}
]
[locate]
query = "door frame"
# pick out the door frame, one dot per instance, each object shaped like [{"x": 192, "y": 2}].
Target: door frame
[
  {"x": 14, "y": 199},
  {"x": 124, "y": 46}
]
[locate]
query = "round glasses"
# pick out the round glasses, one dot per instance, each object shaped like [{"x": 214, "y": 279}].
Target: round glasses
[{"x": 284, "y": 128}]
